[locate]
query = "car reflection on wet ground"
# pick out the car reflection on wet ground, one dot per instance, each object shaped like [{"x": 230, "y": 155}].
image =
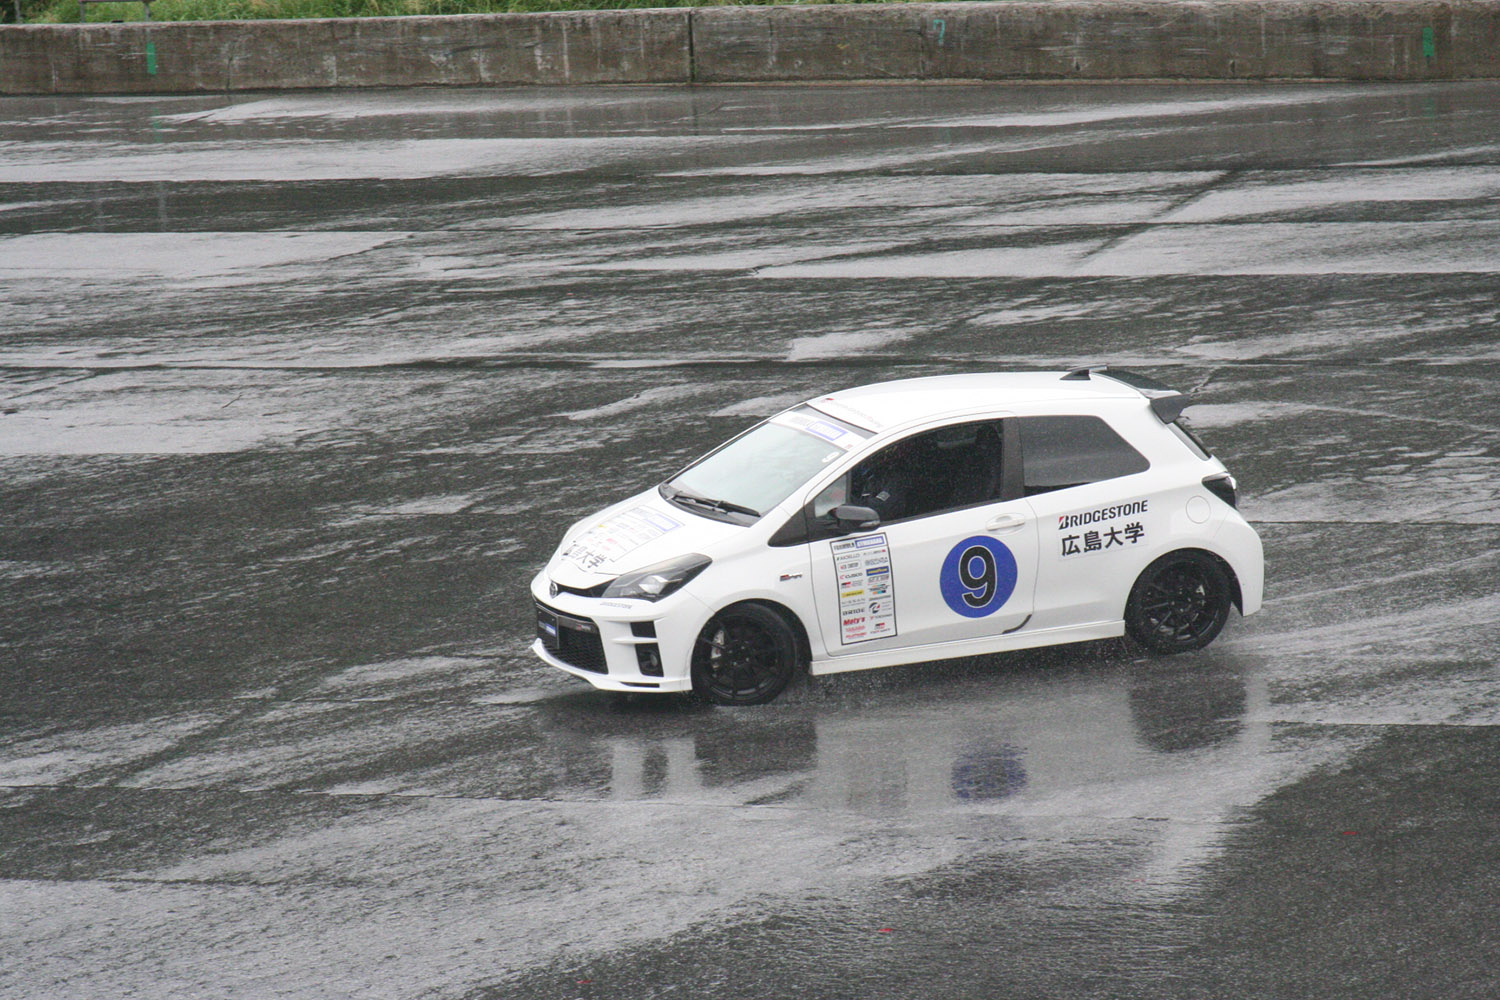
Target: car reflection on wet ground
[{"x": 296, "y": 391}]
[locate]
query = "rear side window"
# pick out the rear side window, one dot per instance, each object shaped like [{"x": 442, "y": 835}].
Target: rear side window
[
  {"x": 1184, "y": 432},
  {"x": 1058, "y": 452}
]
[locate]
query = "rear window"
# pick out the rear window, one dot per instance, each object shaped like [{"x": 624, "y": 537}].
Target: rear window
[{"x": 1058, "y": 452}]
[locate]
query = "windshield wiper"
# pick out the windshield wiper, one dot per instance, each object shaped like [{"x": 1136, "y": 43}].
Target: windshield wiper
[{"x": 723, "y": 506}]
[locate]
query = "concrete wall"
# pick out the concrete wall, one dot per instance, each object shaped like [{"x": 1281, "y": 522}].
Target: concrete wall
[
  {"x": 1049, "y": 40},
  {"x": 1105, "y": 39},
  {"x": 645, "y": 46}
]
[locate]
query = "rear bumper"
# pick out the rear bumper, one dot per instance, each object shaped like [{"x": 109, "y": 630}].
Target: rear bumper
[{"x": 1240, "y": 546}]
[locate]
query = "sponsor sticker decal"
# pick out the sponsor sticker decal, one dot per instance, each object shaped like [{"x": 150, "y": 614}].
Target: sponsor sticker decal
[
  {"x": 822, "y": 429},
  {"x": 618, "y": 536},
  {"x": 826, "y": 431},
  {"x": 1100, "y": 514},
  {"x": 867, "y": 596},
  {"x": 1101, "y": 529},
  {"x": 978, "y": 576}
]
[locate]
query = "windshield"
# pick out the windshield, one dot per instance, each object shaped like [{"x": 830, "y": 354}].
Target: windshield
[{"x": 761, "y": 468}]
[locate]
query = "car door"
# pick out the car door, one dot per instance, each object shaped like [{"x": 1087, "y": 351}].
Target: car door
[
  {"x": 1098, "y": 515},
  {"x": 953, "y": 557}
]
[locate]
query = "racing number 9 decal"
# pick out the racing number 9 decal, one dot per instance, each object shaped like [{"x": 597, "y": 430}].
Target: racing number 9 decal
[
  {"x": 978, "y": 576},
  {"x": 977, "y": 572}
]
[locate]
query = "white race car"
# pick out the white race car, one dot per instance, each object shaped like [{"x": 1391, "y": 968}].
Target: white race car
[{"x": 907, "y": 521}]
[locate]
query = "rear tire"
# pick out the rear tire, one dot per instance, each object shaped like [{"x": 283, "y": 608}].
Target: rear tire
[
  {"x": 746, "y": 655},
  {"x": 1179, "y": 603}
]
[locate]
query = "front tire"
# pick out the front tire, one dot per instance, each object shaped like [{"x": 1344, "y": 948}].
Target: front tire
[
  {"x": 746, "y": 655},
  {"x": 1179, "y": 603}
]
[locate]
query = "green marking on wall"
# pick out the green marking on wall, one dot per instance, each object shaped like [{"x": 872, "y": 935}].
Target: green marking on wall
[
  {"x": 151, "y": 58},
  {"x": 1429, "y": 47}
]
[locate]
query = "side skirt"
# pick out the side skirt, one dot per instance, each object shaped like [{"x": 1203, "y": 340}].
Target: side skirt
[{"x": 968, "y": 647}]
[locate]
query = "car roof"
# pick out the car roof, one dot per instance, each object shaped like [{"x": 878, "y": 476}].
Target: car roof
[{"x": 884, "y": 405}]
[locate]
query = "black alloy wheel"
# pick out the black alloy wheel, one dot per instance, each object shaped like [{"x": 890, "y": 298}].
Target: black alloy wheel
[
  {"x": 1180, "y": 602},
  {"x": 745, "y": 655}
]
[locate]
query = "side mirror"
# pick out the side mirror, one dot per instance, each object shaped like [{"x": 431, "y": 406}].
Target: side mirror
[{"x": 852, "y": 518}]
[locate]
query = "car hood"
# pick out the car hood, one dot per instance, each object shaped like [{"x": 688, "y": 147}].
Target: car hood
[{"x": 632, "y": 534}]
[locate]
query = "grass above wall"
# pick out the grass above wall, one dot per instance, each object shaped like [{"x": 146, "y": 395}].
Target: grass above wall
[{"x": 66, "y": 11}]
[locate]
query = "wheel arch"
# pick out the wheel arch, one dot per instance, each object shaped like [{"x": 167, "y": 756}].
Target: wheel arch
[
  {"x": 792, "y": 643},
  {"x": 786, "y": 614},
  {"x": 1235, "y": 593}
]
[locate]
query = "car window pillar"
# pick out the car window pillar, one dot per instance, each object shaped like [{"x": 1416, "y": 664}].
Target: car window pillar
[{"x": 1012, "y": 478}]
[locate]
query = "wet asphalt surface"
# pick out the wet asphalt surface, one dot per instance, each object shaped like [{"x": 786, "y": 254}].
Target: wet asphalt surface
[{"x": 297, "y": 391}]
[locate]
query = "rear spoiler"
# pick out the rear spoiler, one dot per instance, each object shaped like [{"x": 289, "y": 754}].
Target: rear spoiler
[{"x": 1167, "y": 403}]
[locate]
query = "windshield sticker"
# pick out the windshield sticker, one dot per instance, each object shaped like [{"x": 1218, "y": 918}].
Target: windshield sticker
[
  {"x": 867, "y": 591},
  {"x": 820, "y": 429},
  {"x": 978, "y": 576},
  {"x": 827, "y": 432},
  {"x": 618, "y": 536},
  {"x": 1106, "y": 528}
]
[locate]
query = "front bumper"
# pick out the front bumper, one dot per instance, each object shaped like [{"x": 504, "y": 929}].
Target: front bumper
[
  {"x": 610, "y": 643},
  {"x": 610, "y": 682}
]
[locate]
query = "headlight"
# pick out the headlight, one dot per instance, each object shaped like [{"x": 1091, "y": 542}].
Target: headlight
[{"x": 655, "y": 582}]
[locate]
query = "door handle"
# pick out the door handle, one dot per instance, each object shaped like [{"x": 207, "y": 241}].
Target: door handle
[{"x": 1002, "y": 524}]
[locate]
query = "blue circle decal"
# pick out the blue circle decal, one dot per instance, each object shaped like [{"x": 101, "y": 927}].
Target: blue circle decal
[{"x": 978, "y": 576}]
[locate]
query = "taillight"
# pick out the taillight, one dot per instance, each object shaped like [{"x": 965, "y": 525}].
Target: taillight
[{"x": 1224, "y": 487}]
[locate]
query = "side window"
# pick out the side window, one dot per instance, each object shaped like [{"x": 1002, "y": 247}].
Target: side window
[
  {"x": 1058, "y": 452},
  {"x": 815, "y": 521},
  {"x": 928, "y": 473},
  {"x": 834, "y": 494}
]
